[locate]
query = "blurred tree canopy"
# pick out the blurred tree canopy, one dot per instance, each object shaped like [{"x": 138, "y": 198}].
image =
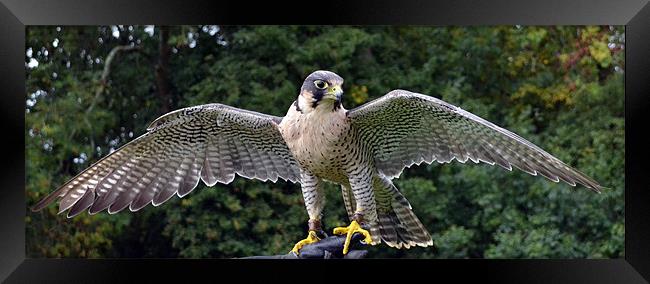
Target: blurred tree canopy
[{"x": 91, "y": 89}]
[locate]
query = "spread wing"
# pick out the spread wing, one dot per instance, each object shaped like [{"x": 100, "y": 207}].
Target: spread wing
[
  {"x": 405, "y": 128},
  {"x": 208, "y": 142}
]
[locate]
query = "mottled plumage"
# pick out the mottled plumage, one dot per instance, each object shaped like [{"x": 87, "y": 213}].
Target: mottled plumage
[{"x": 318, "y": 140}]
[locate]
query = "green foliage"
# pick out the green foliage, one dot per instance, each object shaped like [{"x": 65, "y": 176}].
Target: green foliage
[{"x": 560, "y": 87}]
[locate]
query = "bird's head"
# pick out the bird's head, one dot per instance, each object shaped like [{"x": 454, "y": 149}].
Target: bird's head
[{"x": 320, "y": 90}]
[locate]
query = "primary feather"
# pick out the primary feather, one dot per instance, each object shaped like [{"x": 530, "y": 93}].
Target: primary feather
[
  {"x": 208, "y": 142},
  {"x": 404, "y": 128}
]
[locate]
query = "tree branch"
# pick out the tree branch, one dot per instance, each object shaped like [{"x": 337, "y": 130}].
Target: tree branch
[
  {"x": 162, "y": 70},
  {"x": 103, "y": 83}
]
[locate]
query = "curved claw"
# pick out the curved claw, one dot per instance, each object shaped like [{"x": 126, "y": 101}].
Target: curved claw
[
  {"x": 311, "y": 238},
  {"x": 350, "y": 230}
]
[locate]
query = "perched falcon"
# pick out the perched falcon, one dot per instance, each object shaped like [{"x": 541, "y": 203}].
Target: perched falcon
[{"x": 318, "y": 140}]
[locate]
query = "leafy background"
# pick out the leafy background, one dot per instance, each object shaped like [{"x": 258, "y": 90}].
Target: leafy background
[{"x": 561, "y": 87}]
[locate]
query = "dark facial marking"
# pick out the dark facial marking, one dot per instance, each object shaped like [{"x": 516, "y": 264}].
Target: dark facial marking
[
  {"x": 295, "y": 103},
  {"x": 318, "y": 95},
  {"x": 317, "y": 92},
  {"x": 337, "y": 105}
]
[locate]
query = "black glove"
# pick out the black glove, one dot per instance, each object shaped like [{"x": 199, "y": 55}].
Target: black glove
[{"x": 329, "y": 247}]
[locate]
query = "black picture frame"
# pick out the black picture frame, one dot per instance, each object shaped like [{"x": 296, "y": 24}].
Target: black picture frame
[{"x": 16, "y": 14}]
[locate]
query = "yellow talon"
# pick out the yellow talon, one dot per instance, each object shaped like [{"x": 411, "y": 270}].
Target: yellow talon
[
  {"x": 350, "y": 230},
  {"x": 311, "y": 238}
]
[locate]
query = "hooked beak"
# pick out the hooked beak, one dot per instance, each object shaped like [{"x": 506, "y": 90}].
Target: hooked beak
[{"x": 334, "y": 93}]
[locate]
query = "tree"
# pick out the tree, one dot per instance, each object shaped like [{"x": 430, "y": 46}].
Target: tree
[{"x": 559, "y": 87}]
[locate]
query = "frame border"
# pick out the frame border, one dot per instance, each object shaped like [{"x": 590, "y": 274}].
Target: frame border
[{"x": 635, "y": 14}]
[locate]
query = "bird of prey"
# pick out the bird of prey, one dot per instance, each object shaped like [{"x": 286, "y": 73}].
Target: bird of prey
[{"x": 318, "y": 140}]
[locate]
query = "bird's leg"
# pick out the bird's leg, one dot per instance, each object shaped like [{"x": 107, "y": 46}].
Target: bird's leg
[
  {"x": 361, "y": 185},
  {"x": 314, "y": 234},
  {"x": 312, "y": 192}
]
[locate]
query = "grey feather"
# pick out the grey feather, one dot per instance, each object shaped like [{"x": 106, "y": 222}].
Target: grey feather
[
  {"x": 395, "y": 124},
  {"x": 209, "y": 142}
]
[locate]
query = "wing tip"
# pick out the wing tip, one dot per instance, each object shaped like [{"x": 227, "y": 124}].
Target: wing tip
[
  {"x": 92, "y": 211},
  {"x": 37, "y": 207},
  {"x": 70, "y": 216},
  {"x": 45, "y": 201},
  {"x": 599, "y": 188}
]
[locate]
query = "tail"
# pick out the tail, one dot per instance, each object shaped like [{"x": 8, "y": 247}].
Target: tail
[{"x": 397, "y": 224}]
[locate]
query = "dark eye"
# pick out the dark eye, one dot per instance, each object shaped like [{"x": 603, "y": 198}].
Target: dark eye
[{"x": 320, "y": 84}]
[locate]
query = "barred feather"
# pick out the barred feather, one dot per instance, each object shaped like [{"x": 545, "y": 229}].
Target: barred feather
[
  {"x": 398, "y": 225},
  {"x": 209, "y": 142},
  {"x": 348, "y": 199},
  {"x": 404, "y": 128}
]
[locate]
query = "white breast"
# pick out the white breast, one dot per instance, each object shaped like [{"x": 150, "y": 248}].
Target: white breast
[{"x": 313, "y": 138}]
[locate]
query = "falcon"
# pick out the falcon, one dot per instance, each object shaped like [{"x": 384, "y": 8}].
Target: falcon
[{"x": 318, "y": 140}]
